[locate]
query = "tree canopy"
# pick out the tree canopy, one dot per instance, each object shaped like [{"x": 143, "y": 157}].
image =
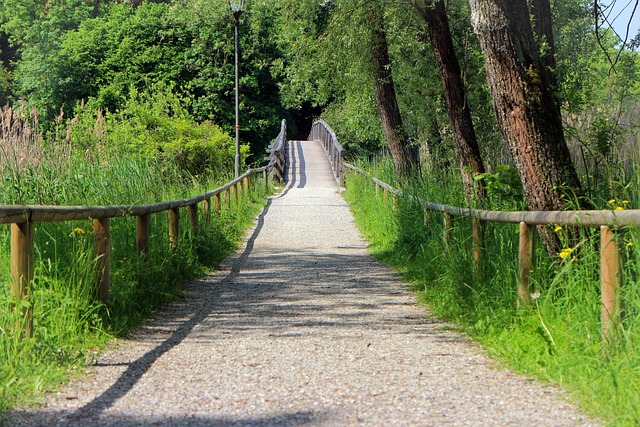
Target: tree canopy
[{"x": 307, "y": 59}]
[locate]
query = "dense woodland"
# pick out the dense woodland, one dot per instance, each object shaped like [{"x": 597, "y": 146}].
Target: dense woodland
[
  {"x": 498, "y": 104},
  {"x": 407, "y": 75}
]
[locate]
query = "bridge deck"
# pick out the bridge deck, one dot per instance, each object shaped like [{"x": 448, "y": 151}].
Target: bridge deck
[{"x": 301, "y": 327}]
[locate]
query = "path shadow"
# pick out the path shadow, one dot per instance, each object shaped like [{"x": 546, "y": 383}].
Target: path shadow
[{"x": 298, "y": 418}]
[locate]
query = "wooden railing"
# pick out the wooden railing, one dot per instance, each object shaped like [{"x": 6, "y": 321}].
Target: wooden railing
[
  {"x": 277, "y": 154},
  {"x": 321, "y": 131},
  {"x": 607, "y": 220},
  {"x": 23, "y": 217}
]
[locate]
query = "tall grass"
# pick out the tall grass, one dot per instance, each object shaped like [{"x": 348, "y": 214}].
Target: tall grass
[
  {"x": 69, "y": 323},
  {"x": 558, "y": 338}
]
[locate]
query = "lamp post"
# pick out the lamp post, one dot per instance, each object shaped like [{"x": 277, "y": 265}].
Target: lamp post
[{"x": 236, "y": 9}]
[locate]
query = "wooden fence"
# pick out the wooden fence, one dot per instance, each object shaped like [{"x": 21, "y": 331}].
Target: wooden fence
[
  {"x": 23, "y": 217},
  {"x": 607, "y": 220}
]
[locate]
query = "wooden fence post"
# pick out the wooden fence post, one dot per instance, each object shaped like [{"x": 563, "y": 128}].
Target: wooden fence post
[
  {"x": 216, "y": 203},
  {"x": 427, "y": 216},
  {"x": 206, "y": 212},
  {"x": 102, "y": 245},
  {"x": 265, "y": 178},
  {"x": 234, "y": 189},
  {"x": 22, "y": 268},
  {"x": 174, "y": 227},
  {"x": 143, "y": 231},
  {"x": 193, "y": 218},
  {"x": 477, "y": 244},
  {"x": 526, "y": 262},
  {"x": 227, "y": 194},
  {"x": 610, "y": 280},
  {"x": 448, "y": 228}
]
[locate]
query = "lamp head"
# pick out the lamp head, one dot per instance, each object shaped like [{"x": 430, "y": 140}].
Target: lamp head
[{"x": 236, "y": 7}]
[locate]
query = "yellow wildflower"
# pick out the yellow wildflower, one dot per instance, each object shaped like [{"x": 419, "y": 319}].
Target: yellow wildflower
[
  {"x": 78, "y": 230},
  {"x": 558, "y": 228},
  {"x": 630, "y": 244},
  {"x": 625, "y": 202},
  {"x": 566, "y": 251},
  {"x": 619, "y": 208},
  {"x": 612, "y": 201}
]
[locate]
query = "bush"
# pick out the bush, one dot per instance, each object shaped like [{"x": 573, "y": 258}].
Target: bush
[{"x": 153, "y": 124}]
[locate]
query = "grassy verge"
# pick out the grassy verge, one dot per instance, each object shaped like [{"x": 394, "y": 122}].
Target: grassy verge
[
  {"x": 69, "y": 325},
  {"x": 558, "y": 339}
]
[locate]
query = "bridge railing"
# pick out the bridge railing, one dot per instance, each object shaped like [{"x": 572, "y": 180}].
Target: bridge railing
[
  {"x": 606, "y": 220},
  {"x": 277, "y": 154},
  {"x": 321, "y": 131},
  {"x": 23, "y": 217}
]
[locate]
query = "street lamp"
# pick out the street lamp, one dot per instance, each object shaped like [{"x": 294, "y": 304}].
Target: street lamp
[{"x": 236, "y": 9}]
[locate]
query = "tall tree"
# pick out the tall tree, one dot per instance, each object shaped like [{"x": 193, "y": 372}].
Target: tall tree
[
  {"x": 405, "y": 161},
  {"x": 525, "y": 106},
  {"x": 540, "y": 11},
  {"x": 466, "y": 145}
]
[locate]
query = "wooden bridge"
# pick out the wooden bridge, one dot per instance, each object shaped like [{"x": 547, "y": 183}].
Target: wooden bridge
[{"x": 300, "y": 327}]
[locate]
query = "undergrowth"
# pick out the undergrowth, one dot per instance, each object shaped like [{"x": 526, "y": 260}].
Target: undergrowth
[{"x": 558, "y": 338}]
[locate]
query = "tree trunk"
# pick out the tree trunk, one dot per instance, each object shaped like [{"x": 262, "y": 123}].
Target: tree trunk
[
  {"x": 525, "y": 107},
  {"x": 466, "y": 145},
  {"x": 540, "y": 10},
  {"x": 405, "y": 160}
]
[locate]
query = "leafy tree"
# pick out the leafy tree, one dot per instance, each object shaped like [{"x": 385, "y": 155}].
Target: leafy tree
[
  {"x": 340, "y": 59},
  {"x": 525, "y": 107},
  {"x": 405, "y": 161},
  {"x": 540, "y": 11},
  {"x": 467, "y": 149},
  {"x": 187, "y": 44}
]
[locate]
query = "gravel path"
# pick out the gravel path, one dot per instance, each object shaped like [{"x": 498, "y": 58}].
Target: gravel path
[{"x": 300, "y": 327}]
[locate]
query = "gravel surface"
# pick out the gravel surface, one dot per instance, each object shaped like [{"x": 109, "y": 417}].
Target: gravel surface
[{"x": 300, "y": 327}]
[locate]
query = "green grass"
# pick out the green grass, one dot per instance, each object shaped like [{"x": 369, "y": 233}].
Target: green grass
[
  {"x": 70, "y": 326},
  {"x": 557, "y": 339}
]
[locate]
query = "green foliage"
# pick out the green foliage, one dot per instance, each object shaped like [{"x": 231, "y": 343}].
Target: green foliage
[
  {"x": 503, "y": 187},
  {"x": 5, "y": 85},
  {"x": 184, "y": 44},
  {"x": 156, "y": 124}
]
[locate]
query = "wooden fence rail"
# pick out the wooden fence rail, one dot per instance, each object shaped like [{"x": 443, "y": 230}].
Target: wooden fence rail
[
  {"x": 606, "y": 220},
  {"x": 23, "y": 217}
]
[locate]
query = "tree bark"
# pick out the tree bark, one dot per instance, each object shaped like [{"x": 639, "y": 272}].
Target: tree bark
[
  {"x": 540, "y": 10},
  {"x": 404, "y": 159},
  {"x": 466, "y": 145},
  {"x": 525, "y": 107}
]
